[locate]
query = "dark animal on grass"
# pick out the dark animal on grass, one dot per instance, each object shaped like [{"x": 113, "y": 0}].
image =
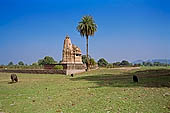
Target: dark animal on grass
[
  {"x": 14, "y": 78},
  {"x": 72, "y": 75},
  {"x": 135, "y": 78}
]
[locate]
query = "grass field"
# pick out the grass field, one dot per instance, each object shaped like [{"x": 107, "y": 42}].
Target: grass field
[{"x": 98, "y": 91}]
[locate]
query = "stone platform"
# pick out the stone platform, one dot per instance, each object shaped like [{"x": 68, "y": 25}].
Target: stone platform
[
  {"x": 69, "y": 68},
  {"x": 74, "y": 68}
]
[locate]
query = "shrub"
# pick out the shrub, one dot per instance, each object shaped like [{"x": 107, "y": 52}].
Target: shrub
[
  {"x": 10, "y": 64},
  {"x": 21, "y": 63},
  {"x": 35, "y": 64},
  {"x": 47, "y": 60},
  {"x": 58, "y": 67},
  {"x": 116, "y": 64},
  {"x": 125, "y": 63},
  {"x": 109, "y": 65},
  {"x": 102, "y": 62}
]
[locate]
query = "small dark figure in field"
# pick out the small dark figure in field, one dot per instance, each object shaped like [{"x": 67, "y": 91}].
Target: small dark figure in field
[
  {"x": 14, "y": 78},
  {"x": 72, "y": 75},
  {"x": 135, "y": 78}
]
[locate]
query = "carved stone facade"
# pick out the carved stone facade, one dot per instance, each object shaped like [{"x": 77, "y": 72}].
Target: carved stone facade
[{"x": 71, "y": 53}]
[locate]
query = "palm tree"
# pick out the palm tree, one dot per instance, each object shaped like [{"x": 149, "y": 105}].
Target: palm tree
[{"x": 87, "y": 27}]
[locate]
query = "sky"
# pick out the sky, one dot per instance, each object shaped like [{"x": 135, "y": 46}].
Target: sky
[{"x": 127, "y": 29}]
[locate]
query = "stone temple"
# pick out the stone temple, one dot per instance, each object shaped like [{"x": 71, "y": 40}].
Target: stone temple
[
  {"x": 72, "y": 58},
  {"x": 71, "y": 53}
]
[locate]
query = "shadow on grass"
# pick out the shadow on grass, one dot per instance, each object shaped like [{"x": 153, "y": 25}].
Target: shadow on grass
[
  {"x": 147, "y": 78},
  {"x": 11, "y": 82}
]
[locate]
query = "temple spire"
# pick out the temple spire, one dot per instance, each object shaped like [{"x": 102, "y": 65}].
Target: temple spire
[
  {"x": 67, "y": 36},
  {"x": 71, "y": 53}
]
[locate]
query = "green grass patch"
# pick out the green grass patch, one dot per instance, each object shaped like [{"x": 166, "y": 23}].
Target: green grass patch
[{"x": 98, "y": 91}]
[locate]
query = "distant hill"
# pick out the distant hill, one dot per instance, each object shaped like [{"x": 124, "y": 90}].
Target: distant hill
[
  {"x": 138, "y": 62},
  {"x": 152, "y": 61}
]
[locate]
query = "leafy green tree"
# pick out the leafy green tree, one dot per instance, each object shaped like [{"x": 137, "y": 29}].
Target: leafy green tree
[
  {"x": 84, "y": 59},
  {"x": 10, "y": 64},
  {"x": 87, "y": 27},
  {"x": 47, "y": 60},
  {"x": 102, "y": 62},
  {"x": 92, "y": 61},
  {"x": 41, "y": 62},
  {"x": 124, "y": 63},
  {"x": 35, "y": 64},
  {"x": 144, "y": 63},
  {"x": 137, "y": 65},
  {"x": 157, "y": 64},
  {"x": 21, "y": 63},
  {"x": 149, "y": 64},
  {"x": 116, "y": 64},
  {"x": 60, "y": 61}
]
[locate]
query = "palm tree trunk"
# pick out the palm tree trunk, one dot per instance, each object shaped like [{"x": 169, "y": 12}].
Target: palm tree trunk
[{"x": 87, "y": 53}]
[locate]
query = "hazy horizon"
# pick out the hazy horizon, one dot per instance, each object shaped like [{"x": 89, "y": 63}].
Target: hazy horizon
[{"x": 127, "y": 29}]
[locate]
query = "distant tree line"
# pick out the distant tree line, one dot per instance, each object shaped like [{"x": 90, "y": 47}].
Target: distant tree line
[
  {"x": 104, "y": 63},
  {"x": 101, "y": 63},
  {"x": 154, "y": 64},
  {"x": 36, "y": 65}
]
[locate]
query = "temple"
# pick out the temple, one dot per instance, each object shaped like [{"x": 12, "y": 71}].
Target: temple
[
  {"x": 72, "y": 58},
  {"x": 71, "y": 53}
]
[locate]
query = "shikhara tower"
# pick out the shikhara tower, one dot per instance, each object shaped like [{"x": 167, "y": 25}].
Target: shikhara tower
[{"x": 71, "y": 53}]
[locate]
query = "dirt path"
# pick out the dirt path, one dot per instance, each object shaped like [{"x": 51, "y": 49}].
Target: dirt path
[{"x": 127, "y": 68}]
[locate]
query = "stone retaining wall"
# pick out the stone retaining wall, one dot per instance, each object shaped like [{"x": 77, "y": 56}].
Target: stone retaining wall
[{"x": 35, "y": 71}]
